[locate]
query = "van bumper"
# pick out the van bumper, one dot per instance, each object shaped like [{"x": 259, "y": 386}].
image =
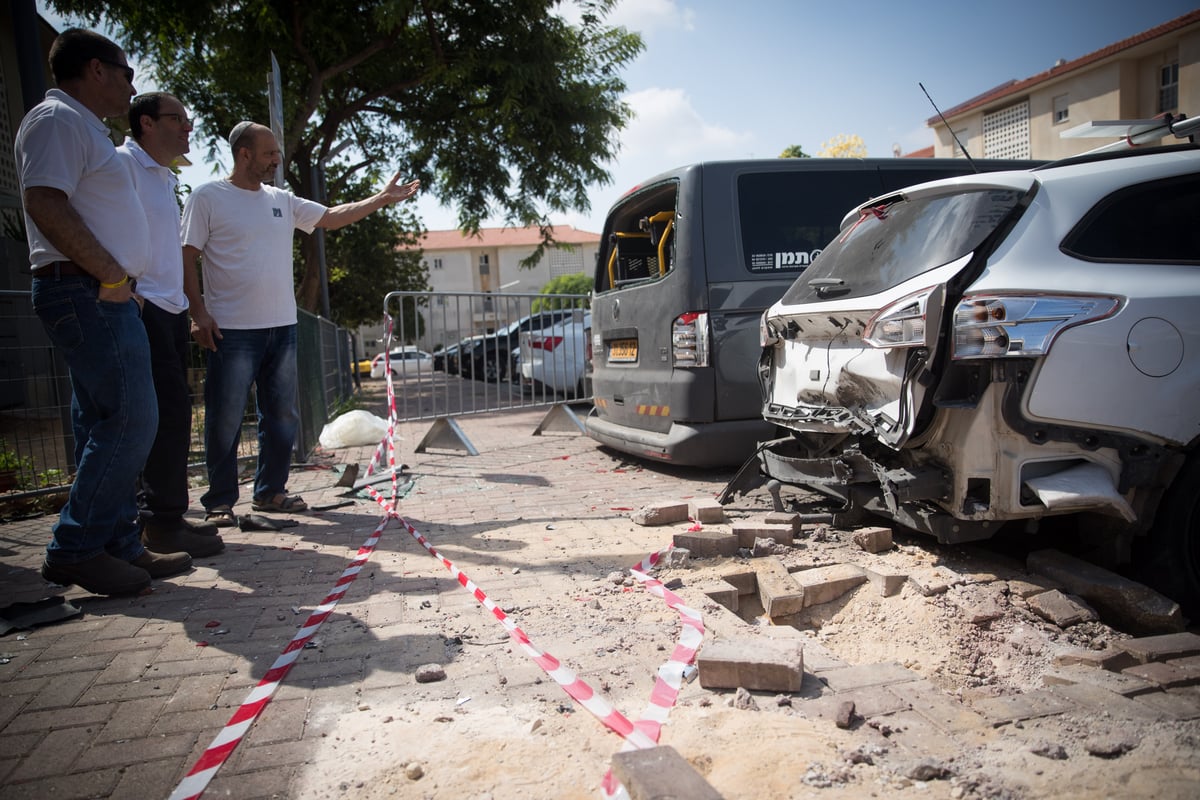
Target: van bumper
[{"x": 714, "y": 444}]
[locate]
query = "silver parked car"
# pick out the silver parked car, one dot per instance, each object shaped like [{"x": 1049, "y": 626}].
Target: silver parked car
[{"x": 1006, "y": 346}]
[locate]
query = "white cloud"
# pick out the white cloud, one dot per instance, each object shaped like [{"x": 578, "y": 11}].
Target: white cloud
[
  {"x": 666, "y": 124},
  {"x": 648, "y": 16}
]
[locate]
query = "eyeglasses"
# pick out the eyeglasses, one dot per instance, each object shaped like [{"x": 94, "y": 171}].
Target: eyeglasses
[
  {"x": 125, "y": 68},
  {"x": 182, "y": 119}
]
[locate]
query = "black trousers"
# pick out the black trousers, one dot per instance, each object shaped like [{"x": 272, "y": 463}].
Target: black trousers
[{"x": 164, "y": 478}]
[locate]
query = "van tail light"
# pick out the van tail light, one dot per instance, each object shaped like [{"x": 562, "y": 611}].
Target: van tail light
[
  {"x": 689, "y": 339},
  {"x": 999, "y": 326},
  {"x": 547, "y": 343}
]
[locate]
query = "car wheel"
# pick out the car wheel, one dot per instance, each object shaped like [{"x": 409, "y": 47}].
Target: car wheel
[
  {"x": 491, "y": 371},
  {"x": 1169, "y": 559}
]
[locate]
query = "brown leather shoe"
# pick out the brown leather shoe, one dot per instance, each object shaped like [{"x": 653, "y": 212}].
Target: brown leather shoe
[
  {"x": 163, "y": 565},
  {"x": 178, "y": 539},
  {"x": 198, "y": 528},
  {"x": 102, "y": 574}
]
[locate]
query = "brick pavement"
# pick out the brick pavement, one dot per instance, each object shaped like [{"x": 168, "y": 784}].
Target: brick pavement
[{"x": 121, "y": 701}]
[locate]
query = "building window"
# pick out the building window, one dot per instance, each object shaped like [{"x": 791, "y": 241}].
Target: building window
[
  {"x": 1168, "y": 88},
  {"x": 484, "y": 265},
  {"x": 1006, "y": 132},
  {"x": 566, "y": 261},
  {"x": 437, "y": 263},
  {"x": 1062, "y": 107}
]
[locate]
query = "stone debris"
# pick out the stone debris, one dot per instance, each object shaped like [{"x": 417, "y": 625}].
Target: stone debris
[
  {"x": 664, "y": 513},
  {"x": 845, "y": 717},
  {"x": 1051, "y": 750},
  {"x": 430, "y": 673},
  {"x": 1109, "y": 746},
  {"x": 1127, "y": 604},
  {"x": 928, "y": 769},
  {"x": 743, "y": 700}
]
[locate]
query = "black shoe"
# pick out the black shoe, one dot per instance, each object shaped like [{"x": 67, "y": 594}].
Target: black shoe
[
  {"x": 163, "y": 565},
  {"x": 178, "y": 539},
  {"x": 102, "y": 574}
]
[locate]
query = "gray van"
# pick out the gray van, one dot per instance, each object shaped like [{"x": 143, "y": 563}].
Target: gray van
[{"x": 689, "y": 260}]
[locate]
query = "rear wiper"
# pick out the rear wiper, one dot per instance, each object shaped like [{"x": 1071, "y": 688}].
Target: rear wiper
[{"x": 829, "y": 287}]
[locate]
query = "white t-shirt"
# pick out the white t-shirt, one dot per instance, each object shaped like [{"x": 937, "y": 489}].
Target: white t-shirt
[
  {"x": 62, "y": 145},
  {"x": 246, "y": 241},
  {"x": 162, "y": 282}
]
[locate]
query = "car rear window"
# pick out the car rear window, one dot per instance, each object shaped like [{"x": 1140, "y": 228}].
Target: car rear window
[{"x": 900, "y": 239}]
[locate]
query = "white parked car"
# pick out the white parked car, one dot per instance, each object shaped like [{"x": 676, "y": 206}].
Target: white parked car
[
  {"x": 404, "y": 361},
  {"x": 1007, "y": 346},
  {"x": 553, "y": 359}
]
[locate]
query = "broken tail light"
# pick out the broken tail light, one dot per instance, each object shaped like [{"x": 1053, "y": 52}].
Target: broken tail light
[
  {"x": 998, "y": 326},
  {"x": 899, "y": 324},
  {"x": 689, "y": 339}
]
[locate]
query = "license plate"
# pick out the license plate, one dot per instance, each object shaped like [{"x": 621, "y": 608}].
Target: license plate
[{"x": 623, "y": 350}]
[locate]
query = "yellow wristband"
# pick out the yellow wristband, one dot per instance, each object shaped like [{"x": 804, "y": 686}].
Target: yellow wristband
[{"x": 116, "y": 285}]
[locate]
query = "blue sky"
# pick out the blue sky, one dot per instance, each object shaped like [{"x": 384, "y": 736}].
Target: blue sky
[{"x": 720, "y": 80}]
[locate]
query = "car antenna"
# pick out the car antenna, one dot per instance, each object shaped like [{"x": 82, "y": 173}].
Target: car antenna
[{"x": 947, "y": 124}]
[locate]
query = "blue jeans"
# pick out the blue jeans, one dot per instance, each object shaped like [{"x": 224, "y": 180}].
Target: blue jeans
[
  {"x": 114, "y": 415},
  {"x": 266, "y": 359}
]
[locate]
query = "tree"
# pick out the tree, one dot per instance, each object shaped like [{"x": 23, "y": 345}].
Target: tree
[
  {"x": 843, "y": 146},
  {"x": 496, "y": 106},
  {"x": 579, "y": 283},
  {"x": 793, "y": 151}
]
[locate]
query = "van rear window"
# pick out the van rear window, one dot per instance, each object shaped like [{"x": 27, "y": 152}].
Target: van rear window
[{"x": 786, "y": 218}]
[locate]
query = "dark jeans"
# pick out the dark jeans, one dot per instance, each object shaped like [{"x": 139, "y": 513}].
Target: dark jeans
[
  {"x": 113, "y": 413},
  {"x": 165, "y": 476},
  {"x": 266, "y": 359}
]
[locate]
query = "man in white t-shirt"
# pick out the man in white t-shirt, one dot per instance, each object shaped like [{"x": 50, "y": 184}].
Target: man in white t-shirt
[
  {"x": 88, "y": 239},
  {"x": 246, "y": 317},
  {"x": 160, "y": 129}
]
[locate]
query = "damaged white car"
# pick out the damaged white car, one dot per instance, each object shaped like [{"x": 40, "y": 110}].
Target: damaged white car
[{"x": 1001, "y": 347}]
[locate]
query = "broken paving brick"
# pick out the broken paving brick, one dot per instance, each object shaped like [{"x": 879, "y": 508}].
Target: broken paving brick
[
  {"x": 747, "y": 532},
  {"x": 789, "y": 518},
  {"x": 721, "y": 592},
  {"x": 756, "y": 663},
  {"x": 873, "y": 540},
  {"x": 704, "y": 544},
  {"x": 1124, "y": 603},
  {"x": 1062, "y": 609},
  {"x": 778, "y": 590},
  {"x": 660, "y": 772},
  {"x": 934, "y": 580},
  {"x": 1161, "y": 648},
  {"x": 706, "y": 510},
  {"x": 825, "y": 584},
  {"x": 744, "y": 580},
  {"x": 664, "y": 513}
]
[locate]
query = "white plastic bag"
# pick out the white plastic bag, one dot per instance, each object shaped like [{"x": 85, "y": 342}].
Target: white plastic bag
[{"x": 352, "y": 429}]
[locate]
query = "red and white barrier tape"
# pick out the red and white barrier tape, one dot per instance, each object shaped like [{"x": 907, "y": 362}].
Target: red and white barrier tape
[{"x": 636, "y": 735}]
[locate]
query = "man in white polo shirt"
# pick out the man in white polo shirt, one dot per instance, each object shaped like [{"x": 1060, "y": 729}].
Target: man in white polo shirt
[
  {"x": 160, "y": 131},
  {"x": 88, "y": 240}
]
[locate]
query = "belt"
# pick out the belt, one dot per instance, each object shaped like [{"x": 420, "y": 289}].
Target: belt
[{"x": 58, "y": 268}]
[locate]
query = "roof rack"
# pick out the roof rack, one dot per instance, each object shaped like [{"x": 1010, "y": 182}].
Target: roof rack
[{"x": 1135, "y": 132}]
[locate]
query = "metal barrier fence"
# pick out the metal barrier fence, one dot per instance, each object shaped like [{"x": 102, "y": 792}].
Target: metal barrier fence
[
  {"x": 456, "y": 353},
  {"x": 36, "y": 441}
]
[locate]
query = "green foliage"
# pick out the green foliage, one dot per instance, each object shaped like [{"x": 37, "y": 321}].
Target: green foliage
[
  {"x": 497, "y": 107},
  {"x": 793, "y": 151},
  {"x": 580, "y": 283}
]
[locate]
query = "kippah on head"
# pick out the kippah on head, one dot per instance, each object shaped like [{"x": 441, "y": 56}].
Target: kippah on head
[{"x": 237, "y": 132}]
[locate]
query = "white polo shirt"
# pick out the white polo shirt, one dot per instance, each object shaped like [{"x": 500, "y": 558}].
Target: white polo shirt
[
  {"x": 63, "y": 145},
  {"x": 162, "y": 282},
  {"x": 246, "y": 240}
]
